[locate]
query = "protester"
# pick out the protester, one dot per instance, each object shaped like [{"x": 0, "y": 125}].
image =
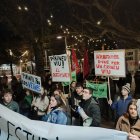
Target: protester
[
  {"x": 16, "y": 86},
  {"x": 66, "y": 103},
  {"x": 60, "y": 93},
  {"x": 56, "y": 112},
  {"x": 8, "y": 100},
  {"x": 73, "y": 86},
  {"x": 76, "y": 98},
  {"x": 39, "y": 104},
  {"x": 4, "y": 81},
  {"x": 25, "y": 105},
  {"x": 91, "y": 109},
  {"x": 48, "y": 86},
  {"x": 130, "y": 122},
  {"x": 137, "y": 86},
  {"x": 121, "y": 104}
]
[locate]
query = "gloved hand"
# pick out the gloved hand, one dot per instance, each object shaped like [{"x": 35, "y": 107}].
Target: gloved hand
[{"x": 74, "y": 108}]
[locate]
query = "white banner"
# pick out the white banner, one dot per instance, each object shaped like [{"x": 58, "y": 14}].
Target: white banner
[
  {"x": 60, "y": 68},
  {"x": 110, "y": 63},
  {"x": 14, "y": 126},
  {"x": 31, "y": 82}
]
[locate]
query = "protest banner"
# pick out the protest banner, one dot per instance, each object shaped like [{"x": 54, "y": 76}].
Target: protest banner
[
  {"x": 110, "y": 63},
  {"x": 14, "y": 126},
  {"x": 99, "y": 90},
  {"x": 31, "y": 82},
  {"x": 60, "y": 68}
]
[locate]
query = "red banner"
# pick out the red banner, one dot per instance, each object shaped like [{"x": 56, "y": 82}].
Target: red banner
[{"x": 75, "y": 65}]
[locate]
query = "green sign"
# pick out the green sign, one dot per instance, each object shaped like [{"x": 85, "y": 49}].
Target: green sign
[
  {"x": 99, "y": 90},
  {"x": 73, "y": 78}
]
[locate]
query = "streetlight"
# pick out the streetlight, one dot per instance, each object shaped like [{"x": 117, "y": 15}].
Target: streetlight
[
  {"x": 25, "y": 8},
  {"x": 98, "y": 22},
  {"x": 60, "y": 37},
  {"x": 20, "y": 8}
]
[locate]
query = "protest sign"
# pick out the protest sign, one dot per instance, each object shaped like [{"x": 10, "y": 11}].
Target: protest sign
[
  {"x": 14, "y": 126},
  {"x": 73, "y": 78},
  {"x": 110, "y": 63},
  {"x": 31, "y": 82},
  {"x": 99, "y": 90},
  {"x": 60, "y": 68}
]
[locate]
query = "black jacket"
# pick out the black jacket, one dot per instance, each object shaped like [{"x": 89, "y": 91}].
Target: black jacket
[{"x": 92, "y": 109}]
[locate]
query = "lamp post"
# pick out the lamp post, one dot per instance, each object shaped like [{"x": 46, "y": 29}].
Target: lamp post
[{"x": 60, "y": 37}]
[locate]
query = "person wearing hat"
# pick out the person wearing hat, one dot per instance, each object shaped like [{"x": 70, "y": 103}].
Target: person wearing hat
[
  {"x": 121, "y": 104},
  {"x": 7, "y": 100}
]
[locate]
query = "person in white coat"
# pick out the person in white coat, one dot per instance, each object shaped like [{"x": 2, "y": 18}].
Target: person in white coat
[{"x": 39, "y": 105}]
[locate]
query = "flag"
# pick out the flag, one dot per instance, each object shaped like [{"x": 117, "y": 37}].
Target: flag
[
  {"x": 85, "y": 65},
  {"x": 99, "y": 90},
  {"x": 75, "y": 65}
]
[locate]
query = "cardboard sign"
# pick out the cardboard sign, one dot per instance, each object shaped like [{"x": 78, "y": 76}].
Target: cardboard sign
[
  {"x": 73, "y": 78},
  {"x": 110, "y": 63},
  {"x": 31, "y": 82},
  {"x": 99, "y": 90},
  {"x": 60, "y": 68},
  {"x": 14, "y": 126}
]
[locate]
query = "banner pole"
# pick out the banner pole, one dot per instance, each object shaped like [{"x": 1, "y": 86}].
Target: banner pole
[{"x": 109, "y": 88}]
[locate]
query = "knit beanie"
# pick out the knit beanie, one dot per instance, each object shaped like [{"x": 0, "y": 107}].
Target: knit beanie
[{"x": 127, "y": 87}]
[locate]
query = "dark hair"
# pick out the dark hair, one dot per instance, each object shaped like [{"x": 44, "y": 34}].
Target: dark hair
[
  {"x": 59, "y": 100},
  {"x": 73, "y": 82},
  {"x": 7, "y": 91},
  {"x": 79, "y": 85},
  {"x": 90, "y": 90}
]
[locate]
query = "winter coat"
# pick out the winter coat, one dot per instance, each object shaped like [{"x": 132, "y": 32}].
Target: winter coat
[
  {"x": 124, "y": 125},
  {"x": 74, "y": 102},
  {"x": 26, "y": 103},
  {"x": 56, "y": 116},
  {"x": 121, "y": 105},
  {"x": 40, "y": 104},
  {"x": 92, "y": 109},
  {"x": 12, "y": 105}
]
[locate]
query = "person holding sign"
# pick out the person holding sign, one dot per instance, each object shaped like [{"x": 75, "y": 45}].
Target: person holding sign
[
  {"x": 56, "y": 112},
  {"x": 121, "y": 105},
  {"x": 130, "y": 122}
]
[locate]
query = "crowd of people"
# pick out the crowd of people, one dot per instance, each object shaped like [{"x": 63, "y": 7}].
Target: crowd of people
[{"x": 78, "y": 107}]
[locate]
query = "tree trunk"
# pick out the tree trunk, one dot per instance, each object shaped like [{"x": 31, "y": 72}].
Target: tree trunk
[{"x": 39, "y": 60}]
